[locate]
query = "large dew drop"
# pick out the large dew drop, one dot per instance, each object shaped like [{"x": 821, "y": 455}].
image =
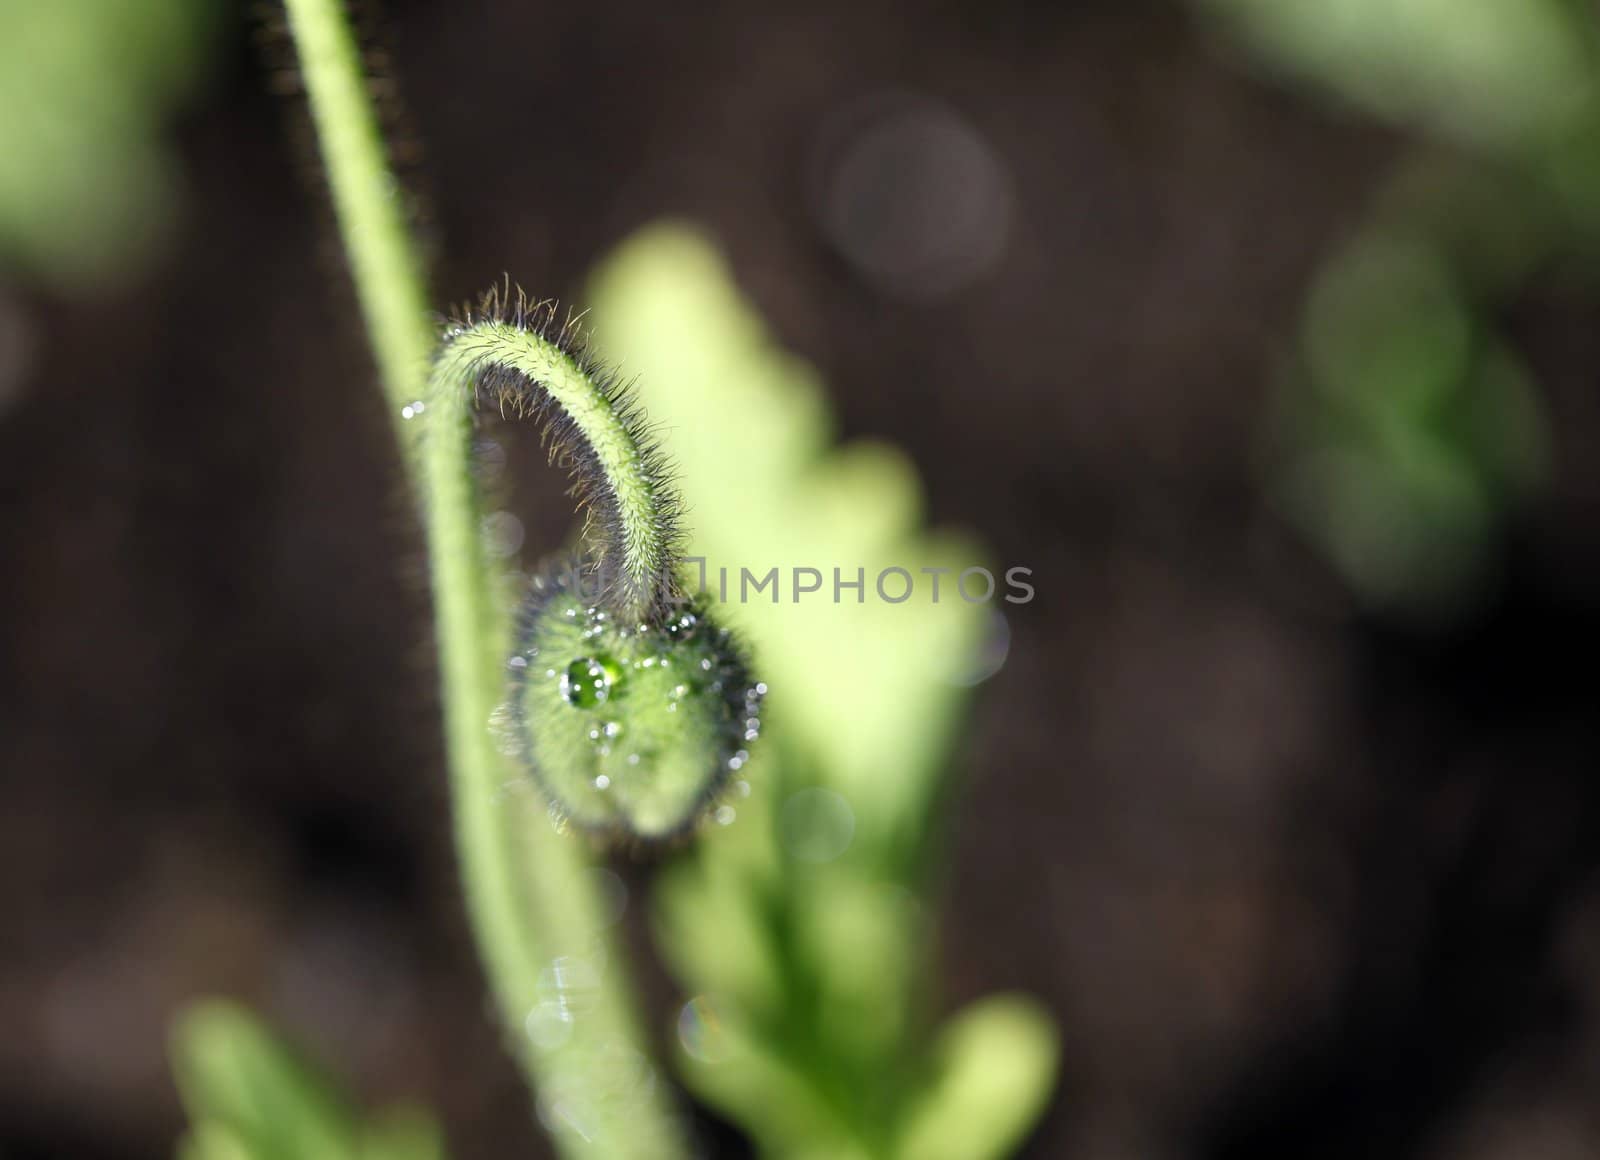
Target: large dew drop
[{"x": 589, "y": 681}]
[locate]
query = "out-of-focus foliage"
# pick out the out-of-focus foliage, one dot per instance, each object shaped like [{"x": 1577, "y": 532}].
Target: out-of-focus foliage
[
  {"x": 1410, "y": 431},
  {"x": 249, "y": 1097},
  {"x": 87, "y": 183},
  {"x": 1484, "y": 73},
  {"x": 800, "y": 930}
]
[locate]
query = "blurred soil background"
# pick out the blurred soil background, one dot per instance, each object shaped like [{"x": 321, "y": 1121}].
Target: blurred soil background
[{"x": 1297, "y": 879}]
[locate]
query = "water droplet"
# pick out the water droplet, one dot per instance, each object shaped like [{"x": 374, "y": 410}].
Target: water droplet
[
  {"x": 613, "y": 728},
  {"x": 549, "y": 1024},
  {"x": 571, "y": 981},
  {"x": 725, "y": 815},
  {"x": 761, "y": 688},
  {"x": 602, "y": 782},
  {"x": 990, "y": 655},
  {"x": 913, "y": 196},
  {"x": 700, "y": 1030},
  {"x": 816, "y": 825},
  {"x": 587, "y": 682},
  {"x": 412, "y": 410}
]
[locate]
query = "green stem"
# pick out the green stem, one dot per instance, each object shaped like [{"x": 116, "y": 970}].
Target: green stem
[
  {"x": 626, "y": 477},
  {"x": 383, "y": 257},
  {"x": 559, "y": 985}
]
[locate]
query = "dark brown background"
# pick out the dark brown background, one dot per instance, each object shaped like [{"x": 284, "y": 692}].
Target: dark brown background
[{"x": 1296, "y": 881}]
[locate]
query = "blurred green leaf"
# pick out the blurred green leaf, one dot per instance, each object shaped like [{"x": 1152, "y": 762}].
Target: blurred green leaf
[
  {"x": 798, "y": 929},
  {"x": 250, "y": 1097},
  {"x": 1386, "y": 330},
  {"x": 1500, "y": 74},
  {"x": 994, "y": 1065},
  {"x": 784, "y": 1112},
  {"x": 232, "y": 1071},
  {"x": 865, "y": 688},
  {"x": 1410, "y": 432},
  {"x": 88, "y": 187},
  {"x": 212, "y": 1141},
  {"x": 709, "y": 913}
]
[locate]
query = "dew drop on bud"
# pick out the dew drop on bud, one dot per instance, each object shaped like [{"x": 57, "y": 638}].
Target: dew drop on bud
[{"x": 588, "y": 682}]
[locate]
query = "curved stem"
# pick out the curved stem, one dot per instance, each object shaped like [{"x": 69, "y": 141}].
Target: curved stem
[
  {"x": 550, "y": 961},
  {"x": 558, "y": 983},
  {"x": 617, "y": 468}
]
